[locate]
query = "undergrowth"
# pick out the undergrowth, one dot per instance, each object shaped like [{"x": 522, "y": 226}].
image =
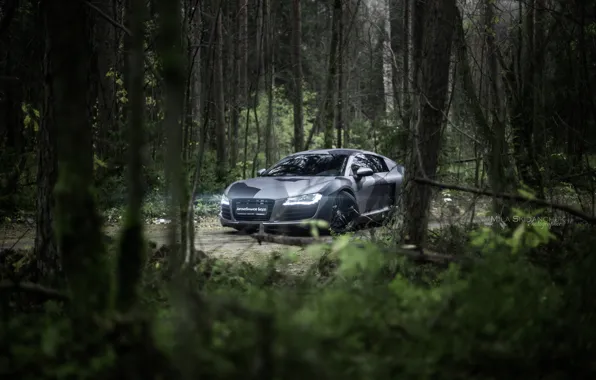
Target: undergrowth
[{"x": 361, "y": 312}]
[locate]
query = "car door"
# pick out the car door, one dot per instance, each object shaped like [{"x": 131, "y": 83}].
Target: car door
[
  {"x": 384, "y": 189},
  {"x": 365, "y": 186}
]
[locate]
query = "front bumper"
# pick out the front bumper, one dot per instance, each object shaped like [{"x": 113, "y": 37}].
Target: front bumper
[{"x": 281, "y": 217}]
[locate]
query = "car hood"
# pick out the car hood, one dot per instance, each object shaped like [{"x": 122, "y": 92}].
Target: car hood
[{"x": 277, "y": 187}]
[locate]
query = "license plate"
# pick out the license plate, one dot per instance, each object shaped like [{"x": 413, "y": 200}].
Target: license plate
[{"x": 251, "y": 209}]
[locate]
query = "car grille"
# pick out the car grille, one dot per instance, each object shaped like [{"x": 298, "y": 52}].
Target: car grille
[
  {"x": 225, "y": 212},
  {"x": 253, "y": 203},
  {"x": 291, "y": 213}
]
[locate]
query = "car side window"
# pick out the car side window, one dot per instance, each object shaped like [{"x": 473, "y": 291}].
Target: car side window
[
  {"x": 361, "y": 161},
  {"x": 378, "y": 163}
]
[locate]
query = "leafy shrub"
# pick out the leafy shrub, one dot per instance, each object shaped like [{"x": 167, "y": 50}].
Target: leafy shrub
[{"x": 372, "y": 315}]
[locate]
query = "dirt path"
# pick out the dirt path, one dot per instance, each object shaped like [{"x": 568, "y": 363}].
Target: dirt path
[
  {"x": 210, "y": 238},
  {"x": 224, "y": 243}
]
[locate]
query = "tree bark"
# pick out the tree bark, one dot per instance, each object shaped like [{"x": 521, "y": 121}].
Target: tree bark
[
  {"x": 396, "y": 20},
  {"x": 78, "y": 223},
  {"x": 330, "y": 88},
  {"x": 219, "y": 102},
  {"x": 492, "y": 133},
  {"x": 340, "y": 77},
  {"x": 132, "y": 251},
  {"x": 172, "y": 57},
  {"x": 297, "y": 69},
  {"x": 434, "y": 81},
  {"x": 270, "y": 82},
  {"x": 46, "y": 251},
  {"x": 106, "y": 64}
]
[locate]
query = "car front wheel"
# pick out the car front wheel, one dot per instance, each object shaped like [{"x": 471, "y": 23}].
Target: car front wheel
[{"x": 343, "y": 213}]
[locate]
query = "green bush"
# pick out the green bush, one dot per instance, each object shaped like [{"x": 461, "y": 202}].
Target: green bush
[{"x": 371, "y": 315}]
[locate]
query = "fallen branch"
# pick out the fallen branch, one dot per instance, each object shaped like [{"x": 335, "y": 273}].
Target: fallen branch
[
  {"x": 512, "y": 197},
  {"x": 29, "y": 287},
  {"x": 298, "y": 241}
]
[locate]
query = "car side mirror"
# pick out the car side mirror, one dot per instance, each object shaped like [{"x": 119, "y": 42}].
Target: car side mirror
[
  {"x": 364, "y": 172},
  {"x": 261, "y": 171}
]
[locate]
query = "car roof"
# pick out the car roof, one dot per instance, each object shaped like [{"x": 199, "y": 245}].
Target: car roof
[{"x": 337, "y": 151}]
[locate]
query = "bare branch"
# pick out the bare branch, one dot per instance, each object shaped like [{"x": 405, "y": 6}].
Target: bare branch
[
  {"x": 29, "y": 287},
  {"x": 107, "y": 17},
  {"x": 512, "y": 197}
]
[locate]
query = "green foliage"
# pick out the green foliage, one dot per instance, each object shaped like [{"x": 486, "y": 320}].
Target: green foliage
[{"x": 370, "y": 316}]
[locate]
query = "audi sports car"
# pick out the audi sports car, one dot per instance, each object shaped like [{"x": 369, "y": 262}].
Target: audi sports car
[{"x": 344, "y": 187}]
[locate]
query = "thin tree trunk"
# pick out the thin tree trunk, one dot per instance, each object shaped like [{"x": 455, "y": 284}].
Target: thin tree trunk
[
  {"x": 340, "y": 76},
  {"x": 270, "y": 75},
  {"x": 330, "y": 87},
  {"x": 297, "y": 66},
  {"x": 131, "y": 255},
  {"x": 172, "y": 56},
  {"x": 396, "y": 20},
  {"x": 106, "y": 57},
  {"x": 46, "y": 252},
  {"x": 406, "y": 78},
  {"x": 219, "y": 103}
]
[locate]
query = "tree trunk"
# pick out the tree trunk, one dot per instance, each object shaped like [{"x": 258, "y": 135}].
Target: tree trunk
[
  {"x": 46, "y": 252},
  {"x": 219, "y": 102},
  {"x": 106, "y": 65},
  {"x": 196, "y": 64},
  {"x": 330, "y": 88},
  {"x": 407, "y": 98},
  {"x": 340, "y": 77},
  {"x": 270, "y": 82},
  {"x": 172, "y": 58},
  {"x": 493, "y": 134},
  {"x": 396, "y": 20},
  {"x": 434, "y": 74},
  {"x": 132, "y": 253},
  {"x": 522, "y": 112},
  {"x": 297, "y": 66},
  {"x": 78, "y": 223}
]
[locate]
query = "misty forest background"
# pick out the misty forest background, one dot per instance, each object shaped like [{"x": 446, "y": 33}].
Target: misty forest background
[{"x": 119, "y": 111}]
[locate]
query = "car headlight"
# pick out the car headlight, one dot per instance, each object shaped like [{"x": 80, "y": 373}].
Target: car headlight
[
  {"x": 224, "y": 201},
  {"x": 303, "y": 200}
]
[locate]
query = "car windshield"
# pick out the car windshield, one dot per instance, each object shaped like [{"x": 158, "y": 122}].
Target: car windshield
[{"x": 308, "y": 165}]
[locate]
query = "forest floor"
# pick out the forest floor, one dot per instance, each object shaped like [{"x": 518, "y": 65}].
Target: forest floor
[{"x": 230, "y": 245}]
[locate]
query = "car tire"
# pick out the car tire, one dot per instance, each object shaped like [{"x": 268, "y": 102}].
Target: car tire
[{"x": 344, "y": 212}]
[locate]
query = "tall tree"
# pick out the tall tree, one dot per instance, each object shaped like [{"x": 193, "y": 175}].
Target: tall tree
[
  {"x": 340, "y": 76},
  {"x": 77, "y": 222},
  {"x": 269, "y": 66},
  {"x": 219, "y": 96},
  {"x": 297, "y": 77},
  {"x": 327, "y": 111},
  {"x": 172, "y": 59},
  {"x": 46, "y": 251},
  {"x": 435, "y": 46},
  {"x": 132, "y": 250}
]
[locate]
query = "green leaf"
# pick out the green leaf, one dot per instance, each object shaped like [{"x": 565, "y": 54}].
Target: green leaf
[
  {"x": 526, "y": 194},
  {"x": 516, "y": 239},
  {"x": 542, "y": 230},
  {"x": 99, "y": 162}
]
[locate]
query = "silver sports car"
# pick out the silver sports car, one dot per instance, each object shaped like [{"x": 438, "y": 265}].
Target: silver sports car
[{"x": 344, "y": 187}]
